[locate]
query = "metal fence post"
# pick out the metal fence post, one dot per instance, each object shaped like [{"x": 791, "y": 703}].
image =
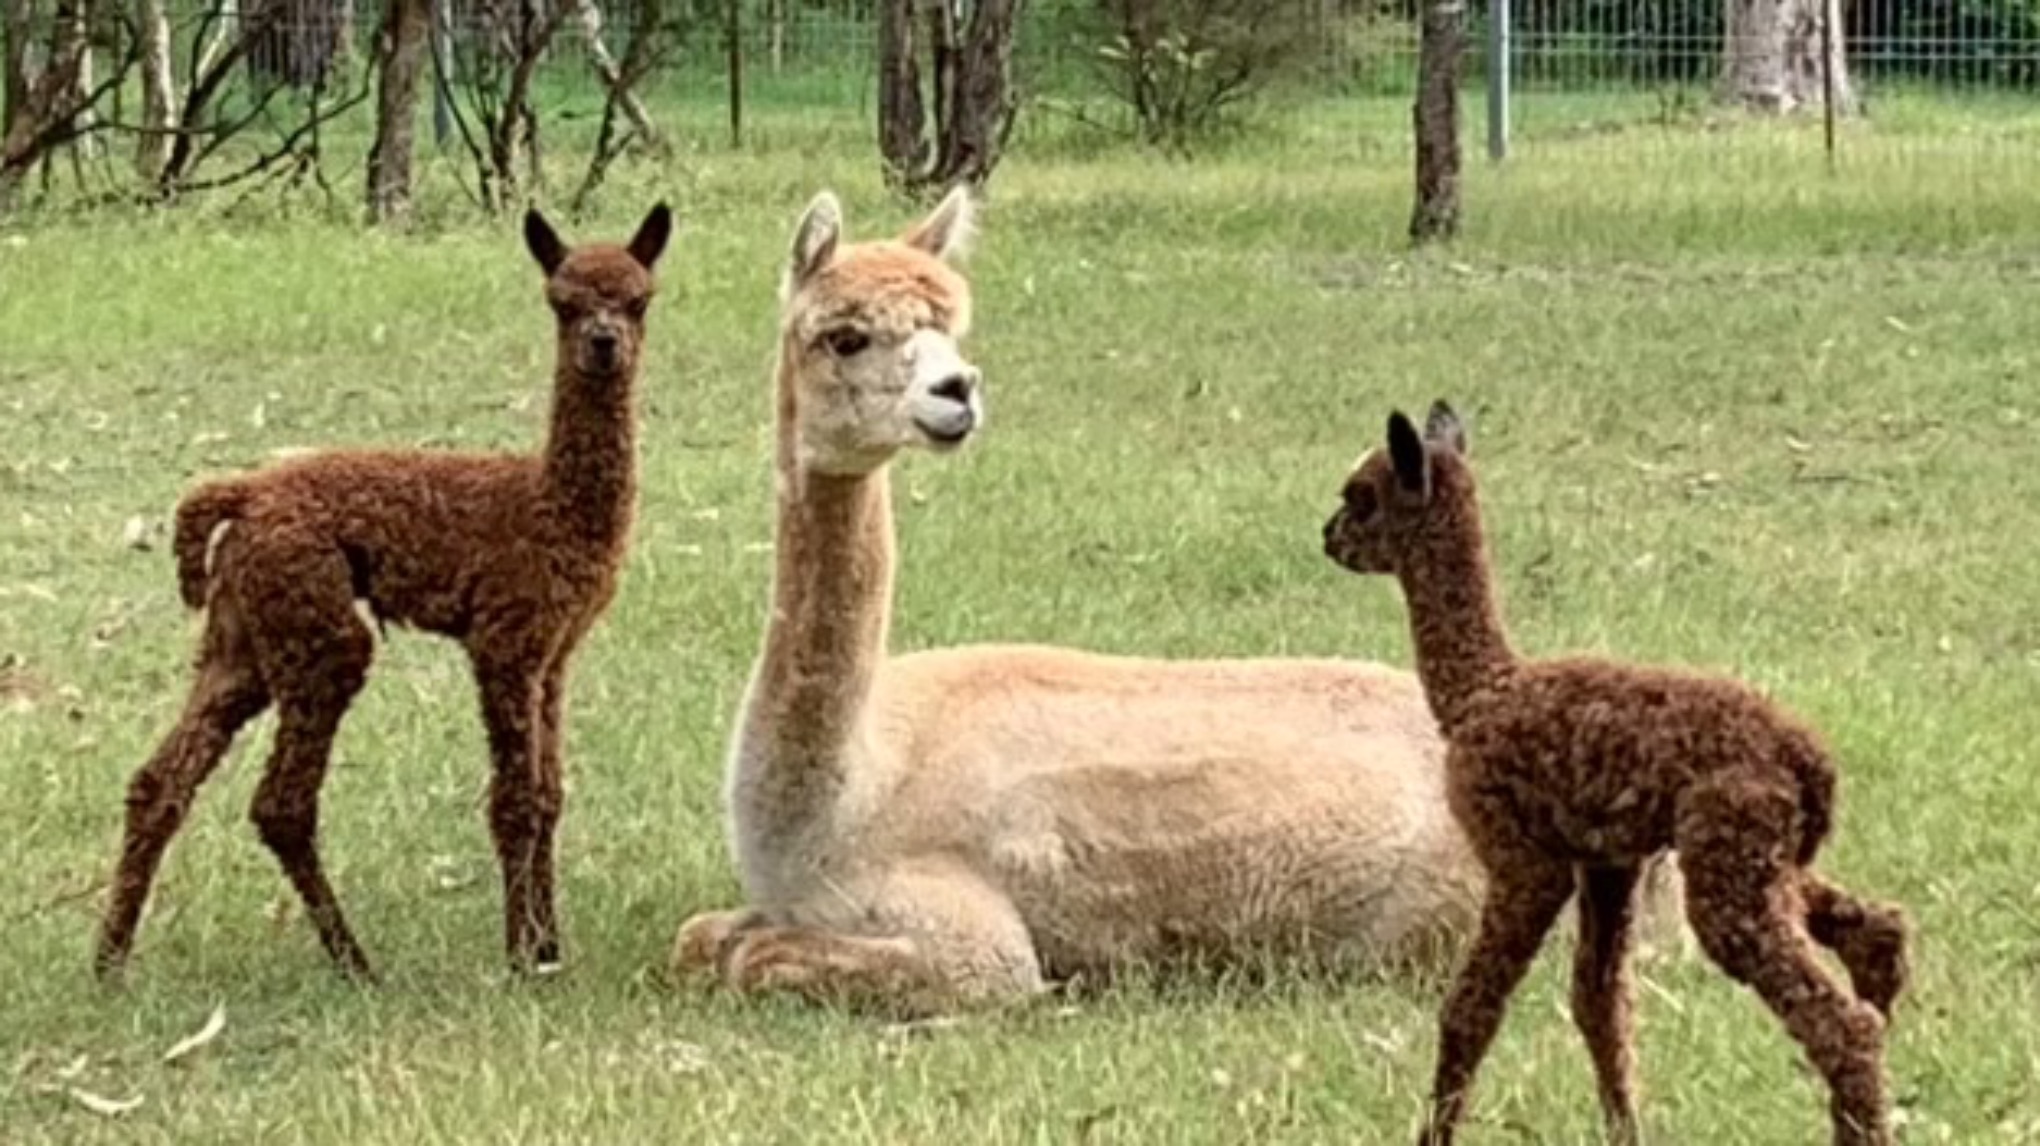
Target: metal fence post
[{"x": 1498, "y": 80}]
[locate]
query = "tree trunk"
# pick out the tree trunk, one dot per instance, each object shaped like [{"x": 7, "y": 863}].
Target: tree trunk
[
  {"x": 1771, "y": 56},
  {"x": 17, "y": 24},
  {"x": 226, "y": 30},
  {"x": 79, "y": 14},
  {"x": 159, "y": 90},
  {"x": 901, "y": 117},
  {"x": 945, "y": 57},
  {"x": 981, "y": 110},
  {"x": 733, "y": 27},
  {"x": 1436, "y": 119},
  {"x": 400, "y": 50},
  {"x": 49, "y": 113},
  {"x": 775, "y": 31},
  {"x": 973, "y": 96},
  {"x": 516, "y": 130}
]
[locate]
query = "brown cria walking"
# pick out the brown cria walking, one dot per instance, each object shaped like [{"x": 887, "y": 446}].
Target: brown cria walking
[
  {"x": 1571, "y": 774},
  {"x": 513, "y": 556}
]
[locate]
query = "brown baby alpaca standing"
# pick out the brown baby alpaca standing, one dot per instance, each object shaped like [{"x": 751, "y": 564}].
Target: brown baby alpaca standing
[
  {"x": 512, "y": 556},
  {"x": 1567, "y": 775}
]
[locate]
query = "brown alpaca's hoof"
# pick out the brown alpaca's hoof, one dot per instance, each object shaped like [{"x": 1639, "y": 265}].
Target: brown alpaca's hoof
[
  {"x": 537, "y": 960},
  {"x": 359, "y": 974},
  {"x": 351, "y": 963},
  {"x": 110, "y": 970}
]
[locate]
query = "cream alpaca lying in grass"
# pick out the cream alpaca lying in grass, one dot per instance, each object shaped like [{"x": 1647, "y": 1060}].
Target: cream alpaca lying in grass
[{"x": 967, "y": 825}]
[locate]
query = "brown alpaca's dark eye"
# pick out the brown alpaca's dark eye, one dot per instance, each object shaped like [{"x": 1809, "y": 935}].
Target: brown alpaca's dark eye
[
  {"x": 846, "y": 341},
  {"x": 1361, "y": 503},
  {"x": 636, "y": 309}
]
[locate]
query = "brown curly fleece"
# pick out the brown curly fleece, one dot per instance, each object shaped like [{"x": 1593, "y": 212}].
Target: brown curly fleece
[
  {"x": 1571, "y": 774},
  {"x": 512, "y": 556}
]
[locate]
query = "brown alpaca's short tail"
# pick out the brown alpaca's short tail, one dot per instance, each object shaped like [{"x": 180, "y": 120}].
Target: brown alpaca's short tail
[
  {"x": 198, "y": 515},
  {"x": 1816, "y": 773}
]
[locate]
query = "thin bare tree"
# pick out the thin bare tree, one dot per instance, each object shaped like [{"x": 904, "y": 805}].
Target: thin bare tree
[
  {"x": 588, "y": 15},
  {"x": 159, "y": 89},
  {"x": 400, "y": 60},
  {"x": 1435, "y": 117}
]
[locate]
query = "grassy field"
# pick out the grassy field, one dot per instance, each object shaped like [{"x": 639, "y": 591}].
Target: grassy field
[{"x": 1730, "y": 410}]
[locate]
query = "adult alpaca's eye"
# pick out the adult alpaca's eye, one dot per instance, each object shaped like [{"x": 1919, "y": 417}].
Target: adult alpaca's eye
[{"x": 846, "y": 341}]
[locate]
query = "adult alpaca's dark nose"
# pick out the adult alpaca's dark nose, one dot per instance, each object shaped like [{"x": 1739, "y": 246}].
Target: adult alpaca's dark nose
[
  {"x": 957, "y": 387},
  {"x": 602, "y": 347}
]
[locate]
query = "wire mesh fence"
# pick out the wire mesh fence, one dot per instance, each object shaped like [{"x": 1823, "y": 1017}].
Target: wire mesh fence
[
  {"x": 1925, "y": 79},
  {"x": 1928, "y": 76}
]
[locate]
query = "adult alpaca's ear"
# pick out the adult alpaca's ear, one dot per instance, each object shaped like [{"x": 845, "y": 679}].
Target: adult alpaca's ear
[
  {"x": 814, "y": 241},
  {"x": 650, "y": 241},
  {"x": 543, "y": 242},
  {"x": 946, "y": 232},
  {"x": 1406, "y": 451}
]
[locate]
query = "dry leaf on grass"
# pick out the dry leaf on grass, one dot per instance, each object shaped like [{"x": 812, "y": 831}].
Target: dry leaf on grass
[
  {"x": 214, "y": 1024},
  {"x": 138, "y": 534},
  {"x": 100, "y": 1104}
]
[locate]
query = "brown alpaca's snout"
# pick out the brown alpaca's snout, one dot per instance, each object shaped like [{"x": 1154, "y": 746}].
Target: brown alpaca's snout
[
  {"x": 603, "y": 345},
  {"x": 1345, "y": 544},
  {"x": 1354, "y": 540}
]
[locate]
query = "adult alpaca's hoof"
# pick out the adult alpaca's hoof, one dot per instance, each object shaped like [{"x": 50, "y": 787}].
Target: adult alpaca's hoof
[
  {"x": 769, "y": 961},
  {"x": 704, "y": 942}
]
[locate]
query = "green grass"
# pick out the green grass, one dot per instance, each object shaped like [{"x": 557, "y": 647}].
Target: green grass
[{"x": 1730, "y": 410}]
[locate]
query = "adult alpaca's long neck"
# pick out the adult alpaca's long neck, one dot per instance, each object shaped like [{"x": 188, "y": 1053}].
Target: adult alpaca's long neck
[
  {"x": 590, "y": 462},
  {"x": 1462, "y": 646},
  {"x": 832, "y": 585}
]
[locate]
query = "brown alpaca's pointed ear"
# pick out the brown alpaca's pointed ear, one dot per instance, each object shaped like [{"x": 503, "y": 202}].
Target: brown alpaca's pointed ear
[
  {"x": 1406, "y": 450},
  {"x": 650, "y": 241},
  {"x": 543, "y": 242},
  {"x": 814, "y": 241},
  {"x": 947, "y": 231},
  {"x": 1444, "y": 428}
]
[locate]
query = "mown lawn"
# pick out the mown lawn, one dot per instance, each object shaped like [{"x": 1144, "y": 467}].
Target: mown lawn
[{"x": 1730, "y": 410}]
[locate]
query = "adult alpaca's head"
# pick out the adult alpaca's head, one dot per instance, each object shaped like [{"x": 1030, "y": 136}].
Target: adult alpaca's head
[{"x": 869, "y": 340}]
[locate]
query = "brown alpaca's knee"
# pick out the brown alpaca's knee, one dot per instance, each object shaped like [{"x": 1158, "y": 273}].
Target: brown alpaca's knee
[{"x": 286, "y": 825}]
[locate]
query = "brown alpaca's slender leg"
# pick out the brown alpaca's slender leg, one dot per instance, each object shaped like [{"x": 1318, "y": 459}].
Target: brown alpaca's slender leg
[
  {"x": 1526, "y": 891},
  {"x": 315, "y": 653},
  {"x": 1868, "y": 937},
  {"x": 521, "y": 804},
  {"x": 551, "y": 805},
  {"x": 1601, "y": 999},
  {"x": 286, "y": 813},
  {"x": 1745, "y": 906},
  {"x": 225, "y": 695}
]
